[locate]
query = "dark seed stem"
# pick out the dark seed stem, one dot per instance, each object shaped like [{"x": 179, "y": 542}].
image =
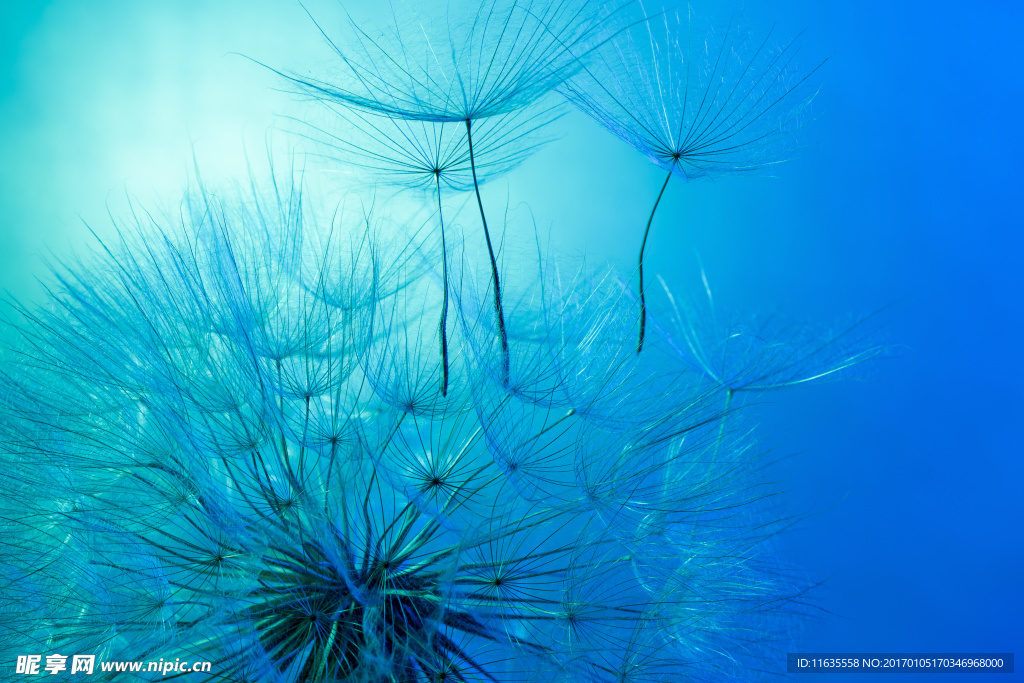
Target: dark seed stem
[
  {"x": 443, "y": 328},
  {"x": 643, "y": 245},
  {"x": 498, "y": 312}
]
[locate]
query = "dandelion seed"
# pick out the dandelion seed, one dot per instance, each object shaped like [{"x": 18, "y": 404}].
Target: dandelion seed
[
  {"x": 757, "y": 354},
  {"x": 428, "y": 155},
  {"x": 694, "y": 105},
  {"x": 510, "y": 56},
  {"x": 764, "y": 353}
]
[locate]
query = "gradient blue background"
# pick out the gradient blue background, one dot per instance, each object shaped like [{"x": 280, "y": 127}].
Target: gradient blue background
[{"x": 909, "y": 195}]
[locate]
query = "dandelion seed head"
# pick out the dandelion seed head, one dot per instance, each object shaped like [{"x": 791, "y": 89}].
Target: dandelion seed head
[{"x": 258, "y": 466}]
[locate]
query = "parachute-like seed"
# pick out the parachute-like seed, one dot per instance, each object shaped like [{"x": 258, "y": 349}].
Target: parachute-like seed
[
  {"x": 485, "y": 73},
  {"x": 428, "y": 155},
  {"x": 693, "y": 103}
]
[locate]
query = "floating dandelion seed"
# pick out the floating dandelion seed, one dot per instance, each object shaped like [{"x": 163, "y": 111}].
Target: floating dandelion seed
[
  {"x": 758, "y": 354},
  {"x": 694, "y": 105},
  {"x": 765, "y": 353},
  {"x": 422, "y": 155},
  {"x": 428, "y": 155},
  {"x": 507, "y": 58},
  {"x": 242, "y": 476}
]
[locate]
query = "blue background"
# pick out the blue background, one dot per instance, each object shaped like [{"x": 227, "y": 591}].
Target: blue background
[{"x": 908, "y": 195}]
